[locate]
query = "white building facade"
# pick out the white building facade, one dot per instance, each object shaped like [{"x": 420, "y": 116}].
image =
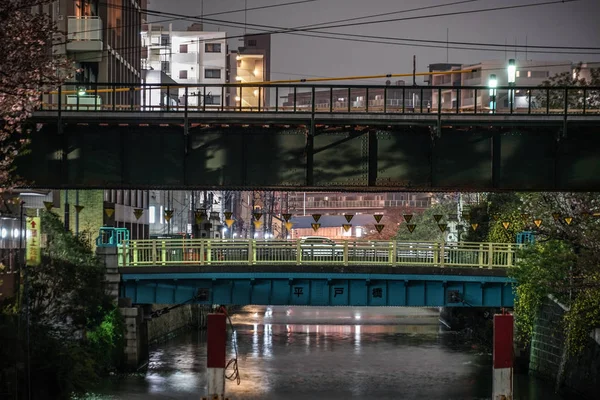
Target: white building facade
[
  {"x": 528, "y": 73},
  {"x": 188, "y": 57}
]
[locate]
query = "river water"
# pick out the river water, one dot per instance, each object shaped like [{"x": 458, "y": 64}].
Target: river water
[{"x": 327, "y": 353}]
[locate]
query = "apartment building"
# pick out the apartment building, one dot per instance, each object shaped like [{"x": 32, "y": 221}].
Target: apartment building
[
  {"x": 528, "y": 73},
  {"x": 249, "y": 64},
  {"x": 103, "y": 39},
  {"x": 191, "y": 57}
]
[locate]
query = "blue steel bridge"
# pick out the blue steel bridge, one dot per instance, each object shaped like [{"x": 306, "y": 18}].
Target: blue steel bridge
[
  {"x": 308, "y": 137},
  {"x": 326, "y": 273}
]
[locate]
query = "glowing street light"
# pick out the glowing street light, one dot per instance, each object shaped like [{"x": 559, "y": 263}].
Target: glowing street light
[
  {"x": 512, "y": 75},
  {"x": 512, "y": 71},
  {"x": 493, "y": 84}
]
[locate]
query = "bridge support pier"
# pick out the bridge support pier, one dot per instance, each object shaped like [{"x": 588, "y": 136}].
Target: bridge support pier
[
  {"x": 503, "y": 357},
  {"x": 136, "y": 335},
  {"x": 109, "y": 257}
]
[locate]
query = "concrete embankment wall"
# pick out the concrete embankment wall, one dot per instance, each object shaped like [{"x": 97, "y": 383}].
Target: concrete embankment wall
[
  {"x": 176, "y": 321},
  {"x": 549, "y": 360}
]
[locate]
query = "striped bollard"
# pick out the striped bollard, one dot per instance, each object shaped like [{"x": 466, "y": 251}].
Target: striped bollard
[
  {"x": 215, "y": 354},
  {"x": 503, "y": 357}
]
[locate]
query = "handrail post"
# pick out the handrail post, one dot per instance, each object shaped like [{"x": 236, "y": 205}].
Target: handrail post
[
  {"x": 298, "y": 252},
  {"x": 442, "y": 254},
  {"x": 153, "y": 258},
  {"x": 566, "y": 101},
  {"x": 163, "y": 253},
  {"x": 201, "y": 256},
  {"x": 403, "y": 99},
  {"x": 393, "y": 253},
  {"x": 254, "y": 260},
  {"x": 276, "y": 98},
  {"x": 547, "y": 101},
  {"x": 509, "y": 261},
  {"x": 385, "y": 99},
  {"x": 312, "y": 100},
  {"x": 475, "y": 101},
  {"x": 345, "y": 253},
  {"x": 490, "y": 255},
  {"x": 203, "y": 98},
  {"x": 367, "y": 100},
  {"x": 584, "y": 96},
  {"x": 250, "y": 252},
  {"x": 480, "y": 256},
  {"x": 295, "y": 94},
  {"x": 330, "y": 100},
  {"x": 208, "y": 252},
  {"x": 135, "y": 253}
]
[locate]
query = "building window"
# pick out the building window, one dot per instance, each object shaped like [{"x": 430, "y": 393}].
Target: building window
[
  {"x": 518, "y": 74},
  {"x": 183, "y": 48},
  {"x": 212, "y": 100},
  {"x": 212, "y": 47},
  {"x": 212, "y": 73},
  {"x": 252, "y": 43},
  {"x": 183, "y": 74},
  {"x": 164, "y": 40}
]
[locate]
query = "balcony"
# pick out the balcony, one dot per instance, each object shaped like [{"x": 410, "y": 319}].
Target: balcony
[{"x": 85, "y": 37}]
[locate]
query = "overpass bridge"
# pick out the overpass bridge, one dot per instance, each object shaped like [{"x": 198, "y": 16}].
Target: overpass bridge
[
  {"x": 297, "y": 272},
  {"x": 314, "y": 137}
]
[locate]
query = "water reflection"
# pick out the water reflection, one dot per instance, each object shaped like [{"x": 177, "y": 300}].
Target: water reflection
[{"x": 328, "y": 353}]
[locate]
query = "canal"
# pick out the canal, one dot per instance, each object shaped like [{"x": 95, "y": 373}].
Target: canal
[{"x": 327, "y": 353}]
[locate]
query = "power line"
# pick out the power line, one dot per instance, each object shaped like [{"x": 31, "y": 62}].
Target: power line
[
  {"x": 317, "y": 31},
  {"x": 384, "y": 40}
]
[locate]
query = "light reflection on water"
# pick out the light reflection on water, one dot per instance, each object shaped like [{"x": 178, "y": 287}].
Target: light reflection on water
[{"x": 328, "y": 353}]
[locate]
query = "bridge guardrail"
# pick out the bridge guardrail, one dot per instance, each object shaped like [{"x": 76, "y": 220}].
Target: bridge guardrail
[
  {"x": 199, "y": 252},
  {"x": 319, "y": 99}
]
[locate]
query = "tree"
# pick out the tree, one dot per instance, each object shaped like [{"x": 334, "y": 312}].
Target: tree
[
  {"x": 554, "y": 98},
  {"x": 426, "y": 228},
  {"x": 28, "y": 68},
  {"x": 564, "y": 262},
  {"x": 75, "y": 331}
]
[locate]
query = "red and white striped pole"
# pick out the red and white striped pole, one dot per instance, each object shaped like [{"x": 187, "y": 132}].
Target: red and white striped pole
[
  {"x": 503, "y": 357},
  {"x": 216, "y": 354}
]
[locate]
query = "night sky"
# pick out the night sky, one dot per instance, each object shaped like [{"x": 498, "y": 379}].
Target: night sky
[{"x": 567, "y": 24}]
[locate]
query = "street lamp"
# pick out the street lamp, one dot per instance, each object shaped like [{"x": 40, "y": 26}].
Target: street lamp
[
  {"x": 512, "y": 74},
  {"x": 493, "y": 84}
]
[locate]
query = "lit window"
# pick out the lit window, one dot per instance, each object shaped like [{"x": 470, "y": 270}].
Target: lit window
[
  {"x": 162, "y": 221},
  {"x": 518, "y": 74},
  {"x": 152, "y": 214}
]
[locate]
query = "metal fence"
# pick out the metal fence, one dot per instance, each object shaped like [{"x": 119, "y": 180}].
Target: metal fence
[
  {"x": 165, "y": 252},
  {"x": 315, "y": 99}
]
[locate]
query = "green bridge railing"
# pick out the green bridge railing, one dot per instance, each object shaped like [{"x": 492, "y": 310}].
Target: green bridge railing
[{"x": 198, "y": 252}]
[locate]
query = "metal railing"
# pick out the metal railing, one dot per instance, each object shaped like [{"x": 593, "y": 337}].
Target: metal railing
[
  {"x": 339, "y": 204},
  {"x": 199, "y": 252},
  {"x": 318, "y": 99}
]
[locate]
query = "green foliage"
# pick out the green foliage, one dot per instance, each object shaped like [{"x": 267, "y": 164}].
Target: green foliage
[
  {"x": 499, "y": 234},
  {"x": 107, "y": 340},
  {"x": 540, "y": 270},
  {"x": 76, "y": 331},
  {"x": 583, "y": 316},
  {"x": 427, "y": 229}
]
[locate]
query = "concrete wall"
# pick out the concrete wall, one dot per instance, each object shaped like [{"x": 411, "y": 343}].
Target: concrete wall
[
  {"x": 136, "y": 334},
  {"x": 175, "y": 321},
  {"x": 549, "y": 360}
]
